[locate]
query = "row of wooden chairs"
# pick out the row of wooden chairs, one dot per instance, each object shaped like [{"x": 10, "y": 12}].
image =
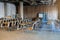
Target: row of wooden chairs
[{"x": 13, "y": 24}]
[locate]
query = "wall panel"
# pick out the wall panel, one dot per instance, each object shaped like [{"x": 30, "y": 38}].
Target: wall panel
[
  {"x": 11, "y": 10},
  {"x": 2, "y": 10},
  {"x": 32, "y": 11}
]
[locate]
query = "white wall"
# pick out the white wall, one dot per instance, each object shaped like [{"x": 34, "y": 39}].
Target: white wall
[
  {"x": 11, "y": 10},
  {"x": 53, "y": 13},
  {"x": 2, "y": 10}
]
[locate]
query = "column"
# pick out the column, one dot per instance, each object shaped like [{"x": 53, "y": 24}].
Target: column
[{"x": 21, "y": 10}]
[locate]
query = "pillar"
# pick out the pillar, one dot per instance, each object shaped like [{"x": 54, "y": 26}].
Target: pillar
[{"x": 21, "y": 10}]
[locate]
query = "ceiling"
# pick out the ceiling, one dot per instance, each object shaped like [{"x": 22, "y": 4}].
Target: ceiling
[{"x": 31, "y": 2}]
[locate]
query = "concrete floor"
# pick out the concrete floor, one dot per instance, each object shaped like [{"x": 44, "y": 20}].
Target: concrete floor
[{"x": 30, "y": 35}]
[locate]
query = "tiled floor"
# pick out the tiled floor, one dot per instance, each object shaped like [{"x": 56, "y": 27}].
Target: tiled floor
[{"x": 18, "y": 35}]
